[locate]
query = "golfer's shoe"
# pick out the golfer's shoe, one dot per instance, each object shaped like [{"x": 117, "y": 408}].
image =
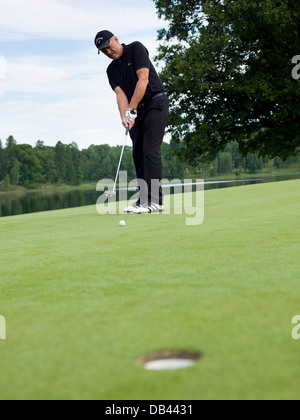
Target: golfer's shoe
[
  {"x": 152, "y": 208},
  {"x": 132, "y": 208}
]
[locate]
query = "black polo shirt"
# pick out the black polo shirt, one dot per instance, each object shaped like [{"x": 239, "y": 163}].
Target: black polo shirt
[{"x": 122, "y": 73}]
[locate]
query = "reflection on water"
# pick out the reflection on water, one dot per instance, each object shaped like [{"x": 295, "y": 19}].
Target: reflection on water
[{"x": 32, "y": 202}]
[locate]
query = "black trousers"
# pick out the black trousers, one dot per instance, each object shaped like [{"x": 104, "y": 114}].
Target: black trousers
[{"x": 147, "y": 137}]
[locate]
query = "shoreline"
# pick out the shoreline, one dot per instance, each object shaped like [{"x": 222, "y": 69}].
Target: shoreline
[{"x": 19, "y": 190}]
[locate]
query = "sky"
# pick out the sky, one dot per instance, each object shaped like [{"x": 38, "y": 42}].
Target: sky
[{"x": 53, "y": 83}]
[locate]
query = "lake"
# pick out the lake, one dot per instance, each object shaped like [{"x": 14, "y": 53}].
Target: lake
[{"x": 32, "y": 202}]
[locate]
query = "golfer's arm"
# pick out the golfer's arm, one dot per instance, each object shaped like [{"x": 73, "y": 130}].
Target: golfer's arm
[
  {"x": 122, "y": 101},
  {"x": 140, "y": 89}
]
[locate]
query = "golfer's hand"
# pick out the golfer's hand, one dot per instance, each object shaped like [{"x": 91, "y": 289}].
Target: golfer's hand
[
  {"x": 126, "y": 124},
  {"x": 131, "y": 116}
]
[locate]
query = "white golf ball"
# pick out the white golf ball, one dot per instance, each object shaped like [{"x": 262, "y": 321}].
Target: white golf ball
[{"x": 122, "y": 223}]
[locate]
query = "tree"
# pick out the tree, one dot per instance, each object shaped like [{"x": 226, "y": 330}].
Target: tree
[
  {"x": 172, "y": 168},
  {"x": 2, "y": 159},
  {"x": 224, "y": 163},
  {"x": 30, "y": 166},
  {"x": 10, "y": 142},
  {"x": 11, "y": 153},
  {"x": 228, "y": 73},
  {"x": 253, "y": 163},
  {"x": 6, "y": 182},
  {"x": 236, "y": 156},
  {"x": 60, "y": 161},
  {"x": 40, "y": 145},
  {"x": 75, "y": 165},
  {"x": 46, "y": 154},
  {"x": 15, "y": 173}
]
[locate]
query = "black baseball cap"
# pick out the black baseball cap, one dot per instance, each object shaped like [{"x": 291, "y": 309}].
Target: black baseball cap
[{"x": 102, "y": 40}]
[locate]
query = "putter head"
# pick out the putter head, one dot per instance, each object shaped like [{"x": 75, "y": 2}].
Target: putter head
[{"x": 110, "y": 193}]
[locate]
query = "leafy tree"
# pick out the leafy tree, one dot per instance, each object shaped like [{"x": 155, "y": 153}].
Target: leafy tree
[
  {"x": 68, "y": 163},
  {"x": 224, "y": 163},
  {"x": 60, "y": 161},
  {"x": 10, "y": 142},
  {"x": 108, "y": 167},
  {"x": 11, "y": 153},
  {"x": 15, "y": 173},
  {"x": 172, "y": 168},
  {"x": 30, "y": 166},
  {"x": 40, "y": 145},
  {"x": 6, "y": 182},
  {"x": 228, "y": 66},
  {"x": 76, "y": 173},
  {"x": 253, "y": 162},
  {"x": 127, "y": 164},
  {"x": 46, "y": 155},
  {"x": 2, "y": 159},
  {"x": 235, "y": 154}
]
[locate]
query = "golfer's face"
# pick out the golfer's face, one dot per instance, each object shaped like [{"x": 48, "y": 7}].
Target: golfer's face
[{"x": 114, "y": 51}]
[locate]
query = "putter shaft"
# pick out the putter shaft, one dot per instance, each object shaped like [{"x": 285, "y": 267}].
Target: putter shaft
[{"x": 120, "y": 161}]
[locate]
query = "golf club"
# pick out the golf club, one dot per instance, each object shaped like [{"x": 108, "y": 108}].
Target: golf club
[{"x": 113, "y": 192}]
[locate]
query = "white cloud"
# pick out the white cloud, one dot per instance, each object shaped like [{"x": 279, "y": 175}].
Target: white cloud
[
  {"x": 67, "y": 96},
  {"x": 72, "y": 20},
  {"x": 58, "y": 101},
  {"x": 26, "y": 77}
]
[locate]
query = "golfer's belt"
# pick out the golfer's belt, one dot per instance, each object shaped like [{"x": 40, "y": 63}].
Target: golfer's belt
[{"x": 142, "y": 104}]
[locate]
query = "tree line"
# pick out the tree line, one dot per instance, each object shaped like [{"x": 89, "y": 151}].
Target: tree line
[{"x": 24, "y": 165}]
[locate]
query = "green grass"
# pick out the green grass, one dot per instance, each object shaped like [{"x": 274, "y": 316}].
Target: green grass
[{"x": 83, "y": 299}]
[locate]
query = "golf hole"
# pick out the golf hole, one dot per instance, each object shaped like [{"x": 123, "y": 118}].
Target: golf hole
[{"x": 170, "y": 360}]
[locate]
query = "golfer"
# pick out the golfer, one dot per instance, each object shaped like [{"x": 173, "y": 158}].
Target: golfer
[{"x": 144, "y": 108}]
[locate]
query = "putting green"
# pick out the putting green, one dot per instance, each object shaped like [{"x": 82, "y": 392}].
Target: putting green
[{"x": 83, "y": 299}]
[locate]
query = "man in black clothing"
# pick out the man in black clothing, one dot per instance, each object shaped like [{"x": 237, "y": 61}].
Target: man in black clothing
[{"x": 144, "y": 108}]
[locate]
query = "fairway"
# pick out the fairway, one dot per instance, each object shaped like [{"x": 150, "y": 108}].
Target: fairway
[{"x": 84, "y": 299}]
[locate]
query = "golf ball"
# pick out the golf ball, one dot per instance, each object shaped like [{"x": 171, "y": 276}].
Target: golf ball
[{"x": 122, "y": 223}]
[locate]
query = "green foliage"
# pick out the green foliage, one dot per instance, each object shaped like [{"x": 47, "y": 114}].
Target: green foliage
[
  {"x": 6, "y": 182},
  {"x": 224, "y": 163},
  {"x": 65, "y": 164},
  {"x": 15, "y": 173},
  {"x": 228, "y": 67}
]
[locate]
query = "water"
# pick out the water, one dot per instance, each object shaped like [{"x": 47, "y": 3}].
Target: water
[{"x": 32, "y": 202}]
